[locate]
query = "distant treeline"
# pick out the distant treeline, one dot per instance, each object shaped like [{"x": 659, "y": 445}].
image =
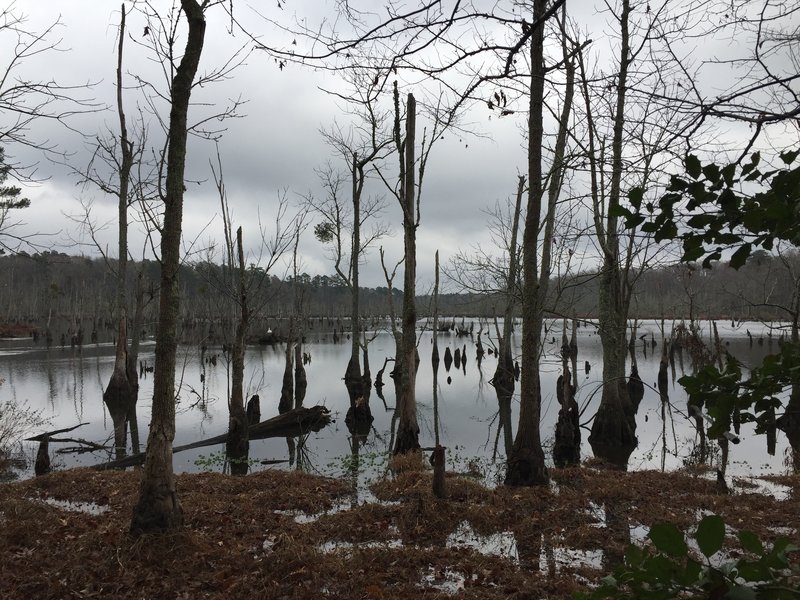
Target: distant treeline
[{"x": 35, "y": 288}]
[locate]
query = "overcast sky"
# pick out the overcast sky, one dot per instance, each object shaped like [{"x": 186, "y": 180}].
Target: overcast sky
[{"x": 274, "y": 147}]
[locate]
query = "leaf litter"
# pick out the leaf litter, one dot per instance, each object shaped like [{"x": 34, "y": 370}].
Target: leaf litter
[{"x": 242, "y": 536}]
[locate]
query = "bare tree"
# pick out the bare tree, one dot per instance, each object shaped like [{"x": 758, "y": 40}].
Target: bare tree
[
  {"x": 343, "y": 224},
  {"x": 480, "y": 271},
  {"x": 407, "y": 438},
  {"x": 23, "y": 101},
  {"x": 241, "y": 294},
  {"x": 158, "y": 507},
  {"x": 645, "y": 137},
  {"x": 526, "y": 460}
]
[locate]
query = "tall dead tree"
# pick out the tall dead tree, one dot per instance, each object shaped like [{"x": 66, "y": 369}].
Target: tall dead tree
[
  {"x": 407, "y": 438},
  {"x": 237, "y": 446},
  {"x": 503, "y": 379},
  {"x": 613, "y": 434}
]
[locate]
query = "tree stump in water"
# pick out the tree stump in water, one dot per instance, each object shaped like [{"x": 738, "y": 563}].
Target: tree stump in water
[
  {"x": 42, "y": 465},
  {"x": 237, "y": 445},
  {"x": 439, "y": 485},
  {"x": 300, "y": 378},
  {"x": 612, "y": 438},
  {"x": 286, "y": 402},
  {"x": 635, "y": 388},
  {"x": 359, "y": 418},
  {"x": 567, "y": 446},
  {"x": 253, "y": 410}
]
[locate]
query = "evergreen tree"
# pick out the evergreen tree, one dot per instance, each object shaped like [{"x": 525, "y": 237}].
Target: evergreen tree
[{"x": 10, "y": 199}]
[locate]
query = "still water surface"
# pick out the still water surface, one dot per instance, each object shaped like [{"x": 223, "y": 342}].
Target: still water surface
[{"x": 67, "y": 384}]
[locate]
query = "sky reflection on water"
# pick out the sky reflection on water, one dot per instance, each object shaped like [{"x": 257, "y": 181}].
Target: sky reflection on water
[{"x": 67, "y": 384}]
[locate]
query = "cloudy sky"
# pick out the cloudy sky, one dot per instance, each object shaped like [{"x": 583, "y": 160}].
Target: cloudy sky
[{"x": 271, "y": 149}]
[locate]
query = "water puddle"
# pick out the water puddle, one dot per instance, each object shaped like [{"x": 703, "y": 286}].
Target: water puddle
[
  {"x": 502, "y": 544},
  {"x": 89, "y": 508},
  {"x": 778, "y": 491},
  {"x": 334, "y": 546},
  {"x": 363, "y": 497},
  {"x": 783, "y": 531},
  {"x": 448, "y": 581},
  {"x": 743, "y": 484},
  {"x": 598, "y": 513},
  {"x": 639, "y": 533},
  {"x": 572, "y": 558}
]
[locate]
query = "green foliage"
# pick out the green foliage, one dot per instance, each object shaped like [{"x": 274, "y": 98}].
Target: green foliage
[
  {"x": 716, "y": 210},
  {"x": 670, "y": 570},
  {"x": 324, "y": 232},
  {"x": 728, "y": 397},
  {"x": 372, "y": 463},
  {"x": 738, "y": 208},
  {"x": 9, "y": 195},
  {"x": 217, "y": 460}
]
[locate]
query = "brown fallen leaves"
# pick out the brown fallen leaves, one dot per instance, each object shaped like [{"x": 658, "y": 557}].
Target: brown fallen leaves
[{"x": 236, "y": 545}]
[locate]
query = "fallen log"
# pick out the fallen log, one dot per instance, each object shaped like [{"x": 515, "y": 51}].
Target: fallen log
[
  {"x": 47, "y": 436},
  {"x": 82, "y": 447},
  {"x": 298, "y": 421}
]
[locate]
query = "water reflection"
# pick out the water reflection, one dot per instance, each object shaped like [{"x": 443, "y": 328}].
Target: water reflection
[{"x": 67, "y": 385}]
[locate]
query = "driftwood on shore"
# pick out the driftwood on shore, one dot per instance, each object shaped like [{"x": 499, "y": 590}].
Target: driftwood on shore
[{"x": 295, "y": 422}]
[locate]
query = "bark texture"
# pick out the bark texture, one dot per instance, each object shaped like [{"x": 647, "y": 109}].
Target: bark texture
[
  {"x": 407, "y": 438},
  {"x": 613, "y": 435},
  {"x": 237, "y": 447},
  {"x": 158, "y": 508},
  {"x": 526, "y": 461}
]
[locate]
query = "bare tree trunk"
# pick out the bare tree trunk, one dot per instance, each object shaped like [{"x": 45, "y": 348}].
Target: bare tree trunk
[
  {"x": 613, "y": 436},
  {"x": 120, "y": 393},
  {"x": 158, "y": 507},
  {"x": 567, "y": 446},
  {"x": 526, "y": 461},
  {"x": 237, "y": 446},
  {"x": 300, "y": 379},
  {"x": 789, "y": 421},
  {"x": 407, "y": 427},
  {"x": 133, "y": 359},
  {"x": 439, "y": 483},
  {"x": 503, "y": 379},
  {"x": 117, "y": 395},
  {"x": 352, "y": 376},
  {"x": 287, "y": 386}
]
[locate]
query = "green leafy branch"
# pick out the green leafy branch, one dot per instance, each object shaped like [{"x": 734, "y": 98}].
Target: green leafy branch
[
  {"x": 671, "y": 570},
  {"x": 710, "y": 211},
  {"x": 734, "y": 207},
  {"x": 730, "y": 399}
]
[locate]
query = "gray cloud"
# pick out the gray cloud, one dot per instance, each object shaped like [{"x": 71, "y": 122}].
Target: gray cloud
[{"x": 274, "y": 146}]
